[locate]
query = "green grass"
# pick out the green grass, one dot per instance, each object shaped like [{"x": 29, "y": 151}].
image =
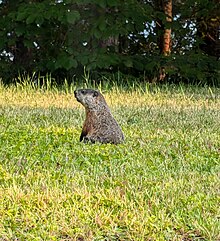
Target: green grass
[{"x": 161, "y": 184}]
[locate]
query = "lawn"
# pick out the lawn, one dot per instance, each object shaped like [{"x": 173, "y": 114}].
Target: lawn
[{"x": 163, "y": 183}]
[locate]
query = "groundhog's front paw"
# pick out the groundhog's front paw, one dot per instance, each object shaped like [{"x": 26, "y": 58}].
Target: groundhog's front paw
[{"x": 88, "y": 140}]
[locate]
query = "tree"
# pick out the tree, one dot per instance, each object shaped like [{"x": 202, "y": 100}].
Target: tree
[
  {"x": 208, "y": 27},
  {"x": 163, "y": 24},
  {"x": 134, "y": 37}
]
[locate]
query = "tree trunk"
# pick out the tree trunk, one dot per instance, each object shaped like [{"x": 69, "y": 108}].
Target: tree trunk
[
  {"x": 164, "y": 34},
  {"x": 167, "y": 8},
  {"x": 22, "y": 54},
  {"x": 208, "y": 29}
]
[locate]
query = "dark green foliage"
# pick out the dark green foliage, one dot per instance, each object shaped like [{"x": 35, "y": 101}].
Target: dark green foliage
[{"x": 63, "y": 37}]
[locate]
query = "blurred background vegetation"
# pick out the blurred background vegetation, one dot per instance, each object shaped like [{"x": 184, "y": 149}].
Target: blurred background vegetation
[{"x": 150, "y": 40}]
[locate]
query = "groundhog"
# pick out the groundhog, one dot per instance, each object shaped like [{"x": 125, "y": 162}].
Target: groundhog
[{"x": 100, "y": 125}]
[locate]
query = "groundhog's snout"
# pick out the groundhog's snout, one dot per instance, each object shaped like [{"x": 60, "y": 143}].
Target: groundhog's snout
[{"x": 76, "y": 95}]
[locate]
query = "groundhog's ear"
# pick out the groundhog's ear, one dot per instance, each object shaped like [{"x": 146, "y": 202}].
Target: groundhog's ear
[{"x": 95, "y": 94}]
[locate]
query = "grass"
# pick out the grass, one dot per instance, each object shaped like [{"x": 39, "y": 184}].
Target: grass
[{"x": 161, "y": 184}]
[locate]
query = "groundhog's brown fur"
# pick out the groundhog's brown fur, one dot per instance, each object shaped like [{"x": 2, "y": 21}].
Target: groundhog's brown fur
[{"x": 100, "y": 125}]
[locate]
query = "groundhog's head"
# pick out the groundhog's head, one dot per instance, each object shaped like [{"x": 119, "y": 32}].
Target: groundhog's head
[{"x": 90, "y": 99}]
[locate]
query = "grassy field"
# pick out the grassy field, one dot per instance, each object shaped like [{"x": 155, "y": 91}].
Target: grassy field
[{"x": 163, "y": 183}]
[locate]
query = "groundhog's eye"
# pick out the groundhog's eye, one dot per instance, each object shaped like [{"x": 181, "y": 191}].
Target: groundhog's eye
[
  {"x": 83, "y": 92},
  {"x": 95, "y": 94}
]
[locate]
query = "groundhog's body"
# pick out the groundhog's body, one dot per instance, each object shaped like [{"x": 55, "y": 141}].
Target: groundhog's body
[{"x": 100, "y": 125}]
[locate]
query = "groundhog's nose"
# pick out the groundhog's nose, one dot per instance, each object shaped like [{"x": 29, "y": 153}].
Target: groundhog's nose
[{"x": 76, "y": 95}]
